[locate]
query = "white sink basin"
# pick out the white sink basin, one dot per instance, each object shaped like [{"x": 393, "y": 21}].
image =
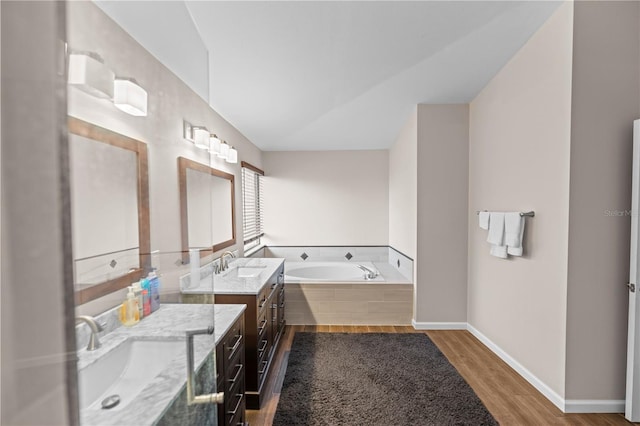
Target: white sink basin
[
  {"x": 125, "y": 371},
  {"x": 249, "y": 271}
]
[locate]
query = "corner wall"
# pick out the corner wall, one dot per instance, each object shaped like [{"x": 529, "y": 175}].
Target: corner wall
[
  {"x": 442, "y": 206},
  {"x": 519, "y": 160},
  {"x": 605, "y": 87}
]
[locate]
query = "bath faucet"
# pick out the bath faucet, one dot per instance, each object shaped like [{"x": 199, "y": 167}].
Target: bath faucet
[
  {"x": 223, "y": 263},
  {"x": 369, "y": 273},
  {"x": 95, "y": 327}
]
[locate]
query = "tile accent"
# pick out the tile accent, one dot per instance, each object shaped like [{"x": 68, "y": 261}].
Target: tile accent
[
  {"x": 304, "y": 256},
  {"x": 348, "y": 256},
  {"x": 401, "y": 263}
]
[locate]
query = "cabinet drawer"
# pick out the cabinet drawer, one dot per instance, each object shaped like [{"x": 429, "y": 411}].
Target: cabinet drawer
[
  {"x": 235, "y": 407},
  {"x": 262, "y": 325},
  {"x": 235, "y": 379}
]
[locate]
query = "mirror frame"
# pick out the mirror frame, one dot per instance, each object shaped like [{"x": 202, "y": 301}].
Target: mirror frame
[
  {"x": 91, "y": 131},
  {"x": 185, "y": 164}
]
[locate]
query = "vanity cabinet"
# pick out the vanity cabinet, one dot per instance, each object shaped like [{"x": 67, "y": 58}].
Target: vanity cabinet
[
  {"x": 264, "y": 326},
  {"x": 230, "y": 369}
]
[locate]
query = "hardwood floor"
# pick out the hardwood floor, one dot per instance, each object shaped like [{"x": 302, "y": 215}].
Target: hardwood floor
[{"x": 510, "y": 398}]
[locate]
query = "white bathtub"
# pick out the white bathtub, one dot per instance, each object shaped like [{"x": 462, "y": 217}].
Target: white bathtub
[{"x": 334, "y": 272}]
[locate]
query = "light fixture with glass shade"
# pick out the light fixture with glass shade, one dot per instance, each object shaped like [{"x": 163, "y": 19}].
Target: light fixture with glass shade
[
  {"x": 88, "y": 73},
  {"x": 129, "y": 97},
  {"x": 224, "y": 150},
  {"x": 214, "y": 145},
  {"x": 232, "y": 157},
  {"x": 201, "y": 137}
]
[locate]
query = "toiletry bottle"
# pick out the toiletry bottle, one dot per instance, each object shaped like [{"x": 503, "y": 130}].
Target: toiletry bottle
[
  {"x": 129, "y": 310},
  {"x": 154, "y": 285},
  {"x": 137, "y": 291},
  {"x": 146, "y": 296}
]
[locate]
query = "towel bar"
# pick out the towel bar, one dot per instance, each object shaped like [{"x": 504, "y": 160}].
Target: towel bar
[{"x": 525, "y": 214}]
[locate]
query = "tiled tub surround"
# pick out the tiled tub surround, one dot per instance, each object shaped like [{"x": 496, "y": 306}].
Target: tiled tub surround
[
  {"x": 163, "y": 400},
  {"x": 379, "y": 255},
  {"x": 388, "y": 300}
]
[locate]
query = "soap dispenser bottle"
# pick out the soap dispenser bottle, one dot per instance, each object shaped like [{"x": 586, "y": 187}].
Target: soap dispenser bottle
[{"x": 129, "y": 314}]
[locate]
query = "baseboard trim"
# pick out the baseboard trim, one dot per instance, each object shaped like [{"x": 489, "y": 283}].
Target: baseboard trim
[
  {"x": 593, "y": 406},
  {"x": 439, "y": 325},
  {"x": 542, "y": 387}
]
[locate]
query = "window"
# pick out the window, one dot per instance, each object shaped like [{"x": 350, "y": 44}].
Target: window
[{"x": 252, "y": 205}]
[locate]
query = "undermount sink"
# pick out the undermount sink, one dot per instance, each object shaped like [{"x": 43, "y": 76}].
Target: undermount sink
[
  {"x": 125, "y": 371},
  {"x": 249, "y": 271}
]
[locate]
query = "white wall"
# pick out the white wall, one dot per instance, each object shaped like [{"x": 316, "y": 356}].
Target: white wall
[
  {"x": 37, "y": 362},
  {"x": 327, "y": 198},
  {"x": 519, "y": 160},
  {"x": 442, "y": 210},
  {"x": 605, "y": 101},
  {"x": 403, "y": 179},
  {"x": 170, "y": 101}
]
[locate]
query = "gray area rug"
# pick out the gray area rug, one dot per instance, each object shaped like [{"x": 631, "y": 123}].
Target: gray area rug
[{"x": 374, "y": 379}]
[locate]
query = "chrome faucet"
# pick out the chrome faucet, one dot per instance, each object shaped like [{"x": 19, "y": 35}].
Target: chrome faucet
[
  {"x": 223, "y": 263},
  {"x": 369, "y": 273},
  {"x": 95, "y": 327}
]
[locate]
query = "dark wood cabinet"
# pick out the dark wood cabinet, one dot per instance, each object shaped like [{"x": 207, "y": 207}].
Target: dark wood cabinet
[
  {"x": 265, "y": 322},
  {"x": 230, "y": 366}
]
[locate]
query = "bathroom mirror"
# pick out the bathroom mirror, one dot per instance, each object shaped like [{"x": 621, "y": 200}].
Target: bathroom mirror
[
  {"x": 109, "y": 209},
  {"x": 207, "y": 208}
]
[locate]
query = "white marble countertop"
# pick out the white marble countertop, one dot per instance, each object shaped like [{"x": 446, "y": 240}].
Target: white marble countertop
[
  {"x": 169, "y": 322},
  {"x": 228, "y": 281}
]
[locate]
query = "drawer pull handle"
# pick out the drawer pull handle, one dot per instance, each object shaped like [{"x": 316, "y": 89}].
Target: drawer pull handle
[
  {"x": 282, "y": 305},
  {"x": 235, "y": 346},
  {"x": 264, "y": 368},
  {"x": 240, "y": 366},
  {"x": 233, "y": 413},
  {"x": 264, "y": 346},
  {"x": 263, "y": 301},
  {"x": 263, "y": 324}
]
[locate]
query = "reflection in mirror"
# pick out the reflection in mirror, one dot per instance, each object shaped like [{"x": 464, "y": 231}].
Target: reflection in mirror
[
  {"x": 110, "y": 209},
  {"x": 207, "y": 208}
]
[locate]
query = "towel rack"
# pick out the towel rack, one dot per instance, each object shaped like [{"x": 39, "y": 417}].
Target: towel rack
[{"x": 522, "y": 214}]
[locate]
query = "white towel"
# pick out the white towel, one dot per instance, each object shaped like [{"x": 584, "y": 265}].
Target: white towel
[
  {"x": 499, "y": 251},
  {"x": 483, "y": 219},
  {"x": 513, "y": 250},
  {"x": 513, "y": 224},
  {"x": 496, "y": 229}
]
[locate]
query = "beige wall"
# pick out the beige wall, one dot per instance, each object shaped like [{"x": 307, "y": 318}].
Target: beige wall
[
  {"x": 518, "y": 160},
  {"x": 403, "y": 178},
  {"x": 604, "y": 105},
  {"x": 170, "y": 101},
  {"x": 36, "y": 302},
  {"x": 327, "y": 198},
  {"x": 442, "y": 192}
]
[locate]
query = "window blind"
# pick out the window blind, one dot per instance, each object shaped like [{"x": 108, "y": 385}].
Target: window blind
[{"x": 252, "y": 205}]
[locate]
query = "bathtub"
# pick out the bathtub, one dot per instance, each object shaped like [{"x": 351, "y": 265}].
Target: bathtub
[{"x": 334, "y": 272}]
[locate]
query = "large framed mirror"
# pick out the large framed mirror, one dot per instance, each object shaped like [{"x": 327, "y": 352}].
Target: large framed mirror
[
  {"x": 207, "y": 208},
  {"x": 109, "y": 182}
]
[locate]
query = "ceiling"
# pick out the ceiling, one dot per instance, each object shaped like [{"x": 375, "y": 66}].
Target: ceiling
[{"x": 330, "y": 75}]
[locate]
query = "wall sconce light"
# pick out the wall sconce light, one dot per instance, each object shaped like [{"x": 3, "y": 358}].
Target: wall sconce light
[
  {"x": 88, "y": 73},
  {"x": 214, "y": 145},
  {"x": 224, "y": 150},
  {"x": 232, "y": 157},
  {"x": 197, "y": 134},
  {"x": 129, "y": 97},
  {"x": 201, "y": 137}
]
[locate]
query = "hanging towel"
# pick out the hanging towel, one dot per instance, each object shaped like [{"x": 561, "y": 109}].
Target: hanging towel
[
  {"x": 499, "y": 251},
  {"x": 483, "y": 218},
  {"x": 513, "y": 223},
  {"x": 496, "y": 229},
  {"x": 513, "y": 250}
]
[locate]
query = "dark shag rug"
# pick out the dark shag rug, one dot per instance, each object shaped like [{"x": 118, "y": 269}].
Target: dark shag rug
[{"x": 374, "y": 379}]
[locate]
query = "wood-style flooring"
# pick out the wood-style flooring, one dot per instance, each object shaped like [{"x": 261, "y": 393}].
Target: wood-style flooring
[{"x": 510, "y": 398}]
